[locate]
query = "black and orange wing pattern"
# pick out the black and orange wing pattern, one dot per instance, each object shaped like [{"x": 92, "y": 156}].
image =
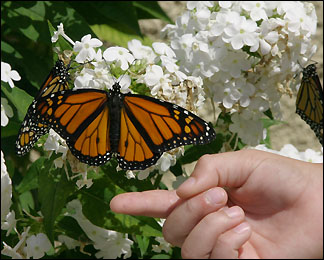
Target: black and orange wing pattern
[
  {"x": 81, "y": 117},
  {"x": 30, "y": 130},
  {"x": 309, "y": 102},
  {"x": 136, "y": 129},
  {"x": 151, "y": 126}
]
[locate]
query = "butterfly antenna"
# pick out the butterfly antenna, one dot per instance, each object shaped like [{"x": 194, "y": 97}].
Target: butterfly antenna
[{"x": 125, "y": 73}]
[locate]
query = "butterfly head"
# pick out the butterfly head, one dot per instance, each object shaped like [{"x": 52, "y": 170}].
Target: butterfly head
[{"x": 116, "y": 87}]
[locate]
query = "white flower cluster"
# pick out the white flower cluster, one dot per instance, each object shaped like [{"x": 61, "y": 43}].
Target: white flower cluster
[
  {"x": 246, "y": 52},
  {"x": 291, "y": 151},
  {"x": 28, "y": 246}
]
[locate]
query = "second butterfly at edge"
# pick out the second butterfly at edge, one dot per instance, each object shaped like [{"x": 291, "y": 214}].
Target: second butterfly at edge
[
  {"x": 310, "y": 99},
  {"x": 137, "y": 129}
]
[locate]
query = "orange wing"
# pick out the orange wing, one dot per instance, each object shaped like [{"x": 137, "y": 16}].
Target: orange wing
[
  {"x": 133, "y": 151},
  {"x": 30, "y": 130},
  {"x": 150, "y": 127},
  {"x": 81, "y": 117}
]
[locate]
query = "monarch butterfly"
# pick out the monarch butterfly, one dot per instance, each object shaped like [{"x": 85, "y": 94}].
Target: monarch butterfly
[
  {"x": 309, "y": 102},
  {"x": 136, "y": 129},
  {"x": 30, "y": 130}
]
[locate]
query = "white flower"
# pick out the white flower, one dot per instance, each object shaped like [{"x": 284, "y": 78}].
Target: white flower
[
  {"x": 69, "y": 242},
  {"x": 85, "y": 48},
  {"x": 11, "y": 252},
  {"x": 111, "y": 244},
  {"x": 37, "y": 245},
  {"x": 235, "y": 63},
  {"x": 140, "y": 51},
  {"x": 166, "y": 161},
  {"x": 256, "y": 9},
  {"x": 246, "y": 90},
  {"x": 163, "y": 49},
  {"x": 268, "y": 37},
  {"x": 312, "y": 156},
  {"x": 119, "y": 54},
  {"x": 142, "y": 175},
  {"x": 10, "y": 222},
  {"x": 169, "y": 63},
  {"x": 85, "y": 76},
  {"x": 6, "y": 111},
  {"x": 18, "y": 252},
  {"x": 124, "y": 82},
  {"x": 242, "y": 32},
  {"x": 130, "y": 175},
  {"x": 297, "y": 17},
  {"x": 60, "y": 31},
  {"x": 53, "y": 141},
  {"x": 84, "y": 181},
  {"x": 291, "y": 151},
  {"x": 115, "y": 246},
  {"x": 164, "y": 246},
  {"x": 231, "y": 94},
  {"x": 155, "y": 79},
  {"x": 199, "y": 4},
  {"x": 222, "y": 21},
  {"x": 6, "y": 190},
  {"x": 8, "y": 75},
  {"x": 250, "y": 131}
]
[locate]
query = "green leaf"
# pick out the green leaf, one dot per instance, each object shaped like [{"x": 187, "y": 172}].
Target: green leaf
[
  {"x": 53, "y": 189},
  {"x": 176, "y": 169},
  {"x": 10, "y": 129},
  {"x": 113, "y": 13},
  {"x": 119, "y": 179},
  {"x": 30, "y": 180},
  {"x": 26, "y": 201},
  {"x": 30, "y": 32},
  {"x": 268, "y": 113},
  {"x": 143, "y": 243},
  {"x": 7, "y": 48},
  {"x": 270, "y": 122},
  {"x": 117, "y": 36},
  {"x": 151, "y": 10},
  {"x": 138, "y": 225},
  {"x": 71, "y": 228},
  {"x": 19, "y": 98},
  {"x": 95, "y": 205},
  {"x": 35, "y": 11}
]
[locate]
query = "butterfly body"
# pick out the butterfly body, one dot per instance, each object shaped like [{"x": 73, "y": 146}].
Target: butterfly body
[
  {"x": 136, "y": 129},
  {"x": 115, "y": 106}
]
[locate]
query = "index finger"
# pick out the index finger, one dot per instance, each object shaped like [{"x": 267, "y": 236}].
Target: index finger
[{"x": 153, "y": 203}]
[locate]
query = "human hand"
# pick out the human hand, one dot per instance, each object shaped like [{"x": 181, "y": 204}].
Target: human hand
[{"x": 281, "y": 197}]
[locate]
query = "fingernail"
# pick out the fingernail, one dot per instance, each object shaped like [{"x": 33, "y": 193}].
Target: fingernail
[
  {"x": 188, "y": 183},
  {"x": 233, "y": 212},
  {"x": 214, "y": 196},
  {"x": 243, "y": 227}
]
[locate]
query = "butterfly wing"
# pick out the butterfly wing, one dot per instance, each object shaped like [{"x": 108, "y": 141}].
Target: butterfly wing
[
  {"x": 81, "y": 117},
  {"x": 31, "y": 130},
  {"x": 133, "y": 150},
  {"x": 150, "y": 127},
  {"x": 309, "y": 102}
]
